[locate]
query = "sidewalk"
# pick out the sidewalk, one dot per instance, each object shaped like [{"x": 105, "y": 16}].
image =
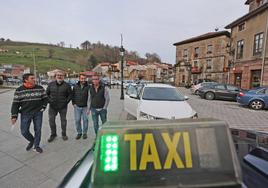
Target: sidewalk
[
  {"x": 4, "y": 89},
  {"x": 19, "y": 168}
]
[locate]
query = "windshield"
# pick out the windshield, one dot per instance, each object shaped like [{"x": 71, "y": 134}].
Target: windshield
[{"x": 162, "y": 94}]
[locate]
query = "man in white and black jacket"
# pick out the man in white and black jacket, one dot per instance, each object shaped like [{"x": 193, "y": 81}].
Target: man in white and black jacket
[
  {"x": 79, "y": 101},
  {"x": 59, "y": 95},
  {"x": 30, "y": 100}
]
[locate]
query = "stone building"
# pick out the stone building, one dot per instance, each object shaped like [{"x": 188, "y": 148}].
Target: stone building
[
  {"x": 249, "y": 46},
  {"x": 204, "y": 56}
]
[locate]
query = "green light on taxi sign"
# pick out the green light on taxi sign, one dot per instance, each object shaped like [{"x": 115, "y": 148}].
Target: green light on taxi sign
[{"x": 109, "y": 152}]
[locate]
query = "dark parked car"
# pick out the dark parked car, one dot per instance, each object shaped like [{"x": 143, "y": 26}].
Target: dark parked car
[
  {"x": 219, "y": 91},
  {"x": 256, "y": 99},
  {"x": 202, "y": 80}
]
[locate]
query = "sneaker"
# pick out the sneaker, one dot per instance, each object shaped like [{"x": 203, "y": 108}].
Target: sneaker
[
  {"x": 38, "y": 149},
  {"x": 78, "y": 136},
  {"x": 30, "y": 145},
  {"x": 51, "y": 138},
  {"x": 84, "y": 136},
  {"x": 64, "y": 137}
]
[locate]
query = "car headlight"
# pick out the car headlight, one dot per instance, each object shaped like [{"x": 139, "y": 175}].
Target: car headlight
[
  {"x": 195, "y": 116},
  {"x": 146, "y": 116}
]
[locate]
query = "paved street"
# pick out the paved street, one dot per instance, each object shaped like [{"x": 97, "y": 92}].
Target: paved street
[
  {"x": 231, "y": 112},
  {"x": 19, "y": 168}
]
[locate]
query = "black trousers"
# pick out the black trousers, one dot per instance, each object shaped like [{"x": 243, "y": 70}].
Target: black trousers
[{"x": 52, "y": 113}]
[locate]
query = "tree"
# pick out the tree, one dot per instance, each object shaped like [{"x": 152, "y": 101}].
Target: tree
[
  {"x": 51, "y": 53},
  {"x": 92, "y": 61},
  {"x": 62, "y": 44},
  {"x": 2, "y": 40},
  {"x": 154, "y": 57},
  {"x": 85, "y": 45}
]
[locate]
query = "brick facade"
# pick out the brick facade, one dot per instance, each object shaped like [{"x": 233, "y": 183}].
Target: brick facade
[
  {"x": 250, "y": 31},
  {"x": 204, "y": 56}
]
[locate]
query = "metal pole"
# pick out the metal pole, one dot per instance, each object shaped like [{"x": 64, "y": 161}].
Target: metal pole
[
  {"x": 122, "y": 50},
  {"x": 34, "y": 64},
  {"x": 264, "y": 51}
]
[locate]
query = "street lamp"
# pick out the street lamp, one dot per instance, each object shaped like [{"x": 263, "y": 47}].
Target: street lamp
[
  {"x": 122, "y": 50},
  {"x": 189, "y": 69},
  {"x": 34, "y": 63}
]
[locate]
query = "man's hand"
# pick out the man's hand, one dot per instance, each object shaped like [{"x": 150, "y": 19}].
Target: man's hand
[
  {"x": 88, "y": 112},
  {"x": 13, "y": 120}
]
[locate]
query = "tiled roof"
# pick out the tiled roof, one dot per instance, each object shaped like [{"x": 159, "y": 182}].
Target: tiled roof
[
  {"x": 248, "y": 2},
  {"x": 132, "y": 63},
  {"x": 203, "y": 37}
]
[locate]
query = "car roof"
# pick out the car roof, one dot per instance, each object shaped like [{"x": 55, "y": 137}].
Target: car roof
[{"x": 158, "y": 85}]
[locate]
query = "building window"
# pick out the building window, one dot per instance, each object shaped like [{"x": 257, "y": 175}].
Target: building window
[
  {"x": 209, "y": 63},
  {"x": 196, "y": 52},
  {"x": 258, "y": 43},
  {"x": 240, "y": 49},
  {"x": 195, "y": 64},
  {"x": 209, "y": 50},
  {"x": 185, "y": 54},
  {"x": 241, "y": 27},
  {"x": 261, "y": 2}
]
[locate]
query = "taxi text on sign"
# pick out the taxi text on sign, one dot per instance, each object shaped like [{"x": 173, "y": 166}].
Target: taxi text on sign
[{"x": 150, "y": 154}]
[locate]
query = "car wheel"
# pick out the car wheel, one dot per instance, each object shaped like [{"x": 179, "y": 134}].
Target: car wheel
[
  {"x": 209, "y": 96},
  {"x": 256, "y": 105}
]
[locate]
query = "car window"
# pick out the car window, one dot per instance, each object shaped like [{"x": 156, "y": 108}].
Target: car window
[
  {"x": 207, "y": 83},
  {"x": 162, "y": 94},
  {"x": 262, "y": 91},
  {"x": 139, "y": 90},
  {"x": 131, "y": 90},
  {"x": 232, "y": 88},
  {"x": 220, "y": 87}
]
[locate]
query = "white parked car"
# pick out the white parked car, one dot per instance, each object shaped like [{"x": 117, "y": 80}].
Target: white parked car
[{"x": 157, "y": 101}]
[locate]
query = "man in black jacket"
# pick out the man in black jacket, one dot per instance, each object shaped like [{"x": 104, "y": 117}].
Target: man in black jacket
[
  {"x": 59, "y": 95},
  {"x": 98, "y": 101},
  {"x": 79, "y": 100},
  {"x": 30, "y": 100}
]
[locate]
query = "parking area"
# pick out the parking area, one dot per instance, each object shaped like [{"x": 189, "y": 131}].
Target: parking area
[{"x": 231, "y": 112}]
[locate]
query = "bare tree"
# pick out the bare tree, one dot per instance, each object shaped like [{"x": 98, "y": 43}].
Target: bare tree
[
  {"x": 154, "y": 57},
  {"x": 85, "y": 45},
  {"x": 62, "y": 44}
]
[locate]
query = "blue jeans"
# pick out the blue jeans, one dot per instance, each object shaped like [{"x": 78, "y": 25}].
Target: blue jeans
[
  {"x": 26, "y": 120},
  {"x": 81, "y": 113},
  {"x": 95, "y": 117}
]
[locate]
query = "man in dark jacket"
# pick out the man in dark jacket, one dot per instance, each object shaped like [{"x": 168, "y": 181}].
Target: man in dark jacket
[
  {"x": 98, "y": 101},
  {"x": 79, "y": 100},
  {"x": 30, "y": 100},
  {"x": 59, "y": 94}
]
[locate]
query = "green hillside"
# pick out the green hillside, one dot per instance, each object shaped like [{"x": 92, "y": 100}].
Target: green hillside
[{"x": 47, "y": 57}]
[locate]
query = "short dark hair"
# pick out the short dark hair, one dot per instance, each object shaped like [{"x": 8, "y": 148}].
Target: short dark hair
[
  {"x": 82, "y": 75},
  {"x": 26, "y": 76}
]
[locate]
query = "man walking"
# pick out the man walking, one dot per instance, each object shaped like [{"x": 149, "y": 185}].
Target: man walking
[
  {"x": 30, "y": 100},
  {"x": 98, "y": 101},
  {"x": 79, "y": 100},
  {"x": 59, "y": 95}
]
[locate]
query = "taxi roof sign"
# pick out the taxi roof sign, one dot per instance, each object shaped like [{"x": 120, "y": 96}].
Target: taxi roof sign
[{"x": 180, "y": 153}]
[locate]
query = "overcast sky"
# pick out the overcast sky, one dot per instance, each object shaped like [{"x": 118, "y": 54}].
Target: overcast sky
[{"x": 147, "y": 25}]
